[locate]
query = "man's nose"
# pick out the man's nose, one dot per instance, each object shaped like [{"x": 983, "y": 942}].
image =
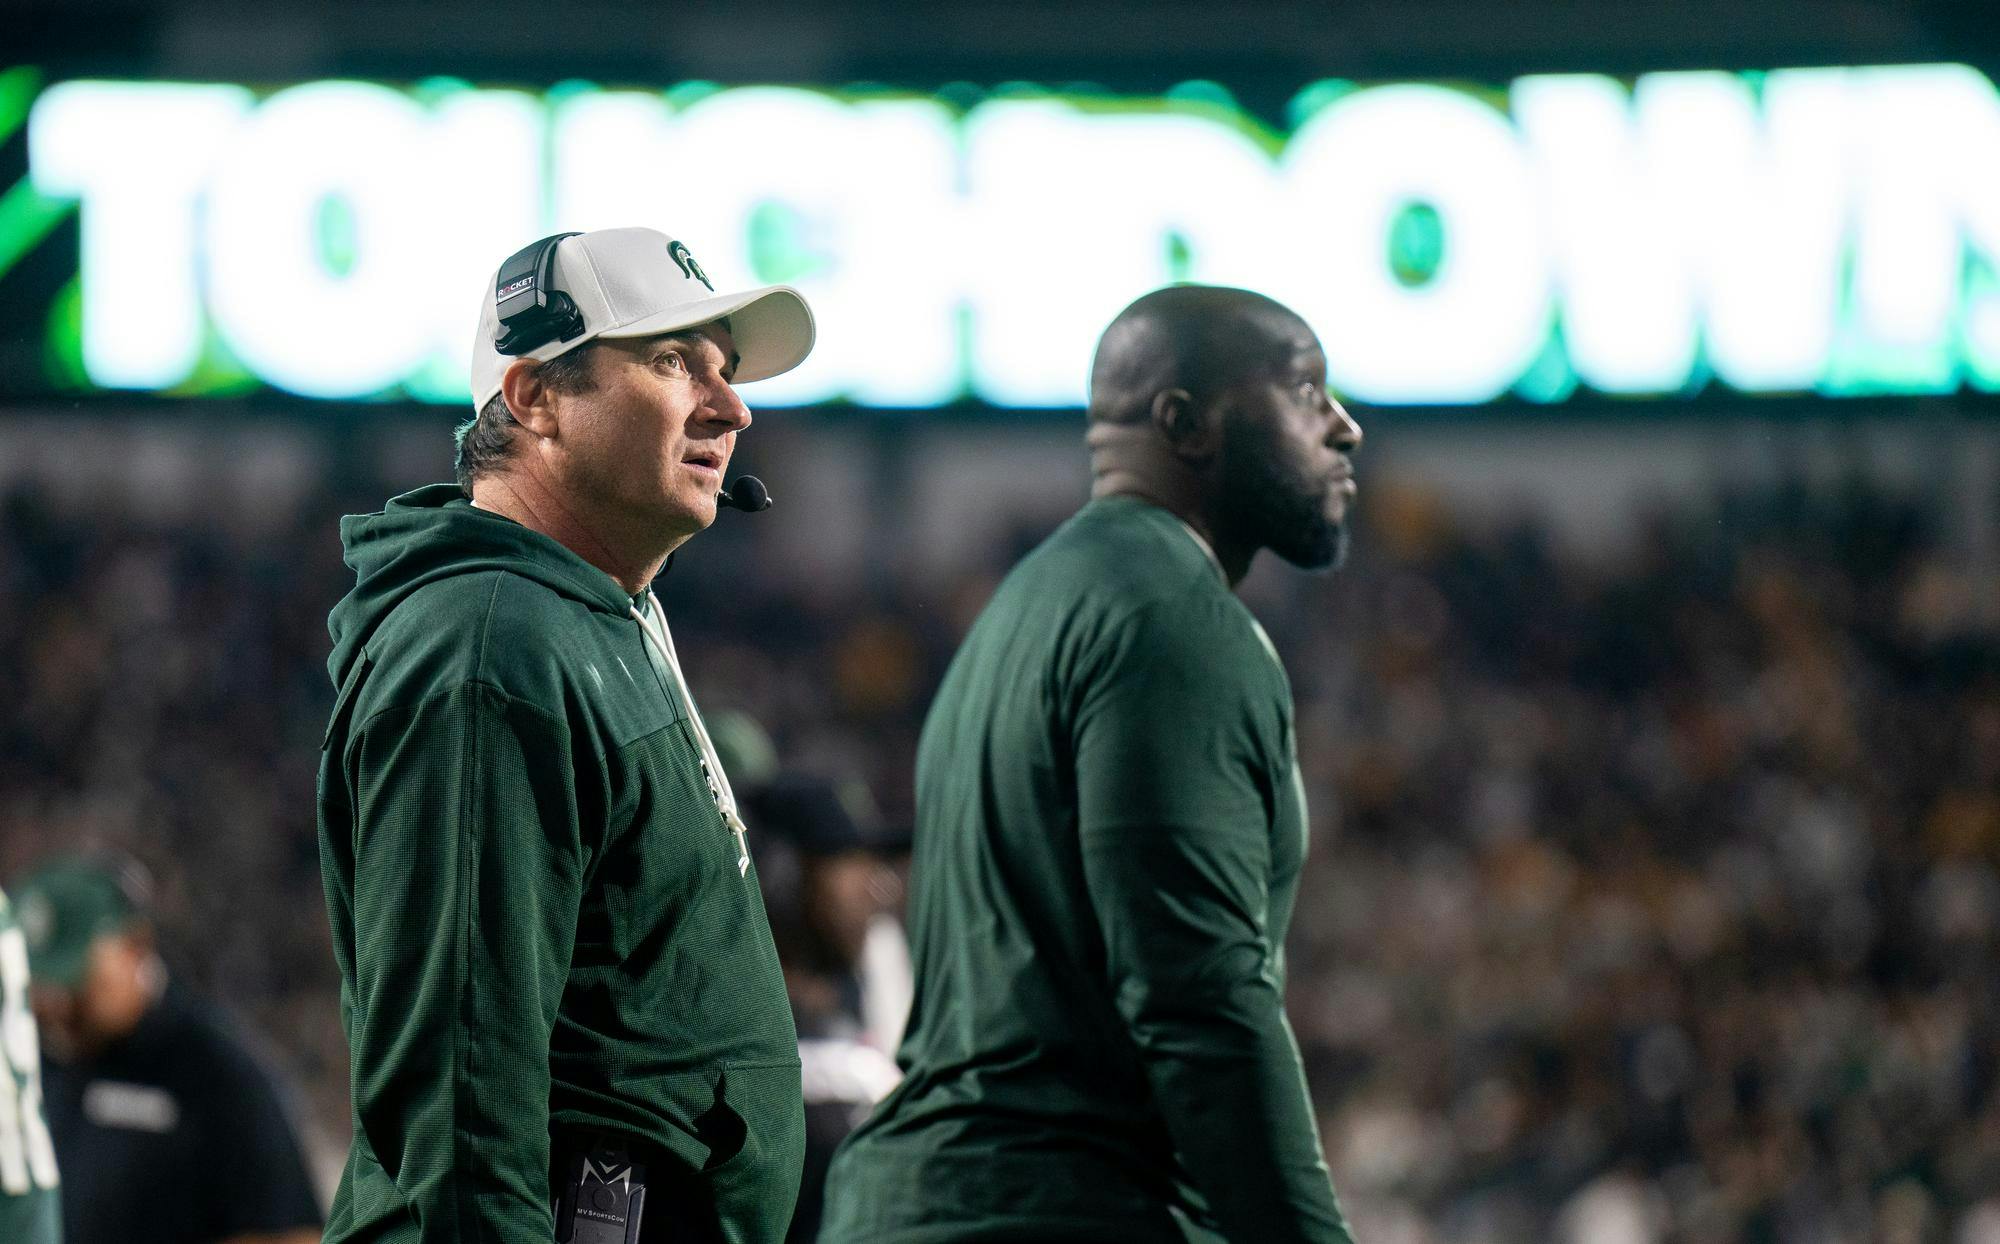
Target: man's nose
[
  {"x": 1346, "y": 434},
  {"x": 728, "y": 409}
]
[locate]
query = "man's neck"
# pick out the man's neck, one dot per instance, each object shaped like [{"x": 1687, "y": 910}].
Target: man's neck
[
  {"x": 523, "y": 496},
  {"x": 1174, "y": 489}
]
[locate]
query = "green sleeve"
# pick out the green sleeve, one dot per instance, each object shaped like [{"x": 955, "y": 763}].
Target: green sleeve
[
  {"x": 1179, "y": 731},
  {"x": 467, "y": 867}
]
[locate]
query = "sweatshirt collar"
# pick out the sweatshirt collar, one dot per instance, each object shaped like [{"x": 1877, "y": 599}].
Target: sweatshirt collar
[{"x": 1206, "y": 549}]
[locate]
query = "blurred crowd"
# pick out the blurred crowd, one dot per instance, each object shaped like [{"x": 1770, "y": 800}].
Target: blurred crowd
[{"x": 1653, "y": 898}]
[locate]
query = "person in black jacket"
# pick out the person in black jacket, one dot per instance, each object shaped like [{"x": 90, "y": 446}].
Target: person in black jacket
[{"x": 167, "y": 1129}]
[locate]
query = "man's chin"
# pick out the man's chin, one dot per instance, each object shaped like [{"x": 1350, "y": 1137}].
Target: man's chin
[
  {"x": 63, "y": 1047},
  {"x": 676, "y": 520},
  {"x": 1321, "y": 550},
  {"x": 694, "y": 512}
]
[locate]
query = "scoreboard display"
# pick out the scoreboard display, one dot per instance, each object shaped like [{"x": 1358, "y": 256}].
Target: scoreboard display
[{"x": 1815, "y": 231}]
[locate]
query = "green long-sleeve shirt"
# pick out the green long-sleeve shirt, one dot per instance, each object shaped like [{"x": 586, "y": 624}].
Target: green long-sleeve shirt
[
  {"x": 541, "y": 918},
  {"x": 1110, "y": 828}
]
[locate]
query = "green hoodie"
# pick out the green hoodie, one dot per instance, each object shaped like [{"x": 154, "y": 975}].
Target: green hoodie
[{"x": 540, "y": 911}]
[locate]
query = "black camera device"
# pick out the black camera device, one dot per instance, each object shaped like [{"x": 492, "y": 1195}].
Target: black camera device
[{"x": 603, "y": 1193}]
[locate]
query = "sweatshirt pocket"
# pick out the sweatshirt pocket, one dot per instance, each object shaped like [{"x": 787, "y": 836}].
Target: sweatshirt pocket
[
  {"x": 755, "y": 1158},
  {"x": 759, "y": 1113}
]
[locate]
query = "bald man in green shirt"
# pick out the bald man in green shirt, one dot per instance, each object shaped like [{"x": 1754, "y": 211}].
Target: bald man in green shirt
[{"x": 1110, "y": 827}]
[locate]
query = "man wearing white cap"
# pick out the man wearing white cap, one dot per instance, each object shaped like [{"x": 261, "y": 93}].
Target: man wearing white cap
[{"x": 566, "y": 1016}]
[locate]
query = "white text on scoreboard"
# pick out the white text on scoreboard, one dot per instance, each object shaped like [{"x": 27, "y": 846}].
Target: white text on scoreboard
[{"x": 1819, "y": 230}]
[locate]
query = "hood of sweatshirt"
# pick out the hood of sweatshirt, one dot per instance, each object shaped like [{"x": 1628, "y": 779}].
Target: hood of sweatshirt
[{"x": 434, "y": 533}]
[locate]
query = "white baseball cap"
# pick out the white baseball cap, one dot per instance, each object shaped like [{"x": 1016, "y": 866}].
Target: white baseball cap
[{"x": 639, "y": 282}]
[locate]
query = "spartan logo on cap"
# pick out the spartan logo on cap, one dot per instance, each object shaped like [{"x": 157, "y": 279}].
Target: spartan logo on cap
[{"x": 689, "y": 268}]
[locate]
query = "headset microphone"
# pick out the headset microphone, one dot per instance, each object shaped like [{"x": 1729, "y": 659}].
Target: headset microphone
[{"x": 747, "y": 494}]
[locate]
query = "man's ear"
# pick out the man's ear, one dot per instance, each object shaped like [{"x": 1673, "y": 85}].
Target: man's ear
[
  {"x": 531, "y": 402},
  {"x": 1193, "y": 431}
]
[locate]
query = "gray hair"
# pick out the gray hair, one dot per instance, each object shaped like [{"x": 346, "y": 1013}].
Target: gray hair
[{"x": 486, "y": 440}]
